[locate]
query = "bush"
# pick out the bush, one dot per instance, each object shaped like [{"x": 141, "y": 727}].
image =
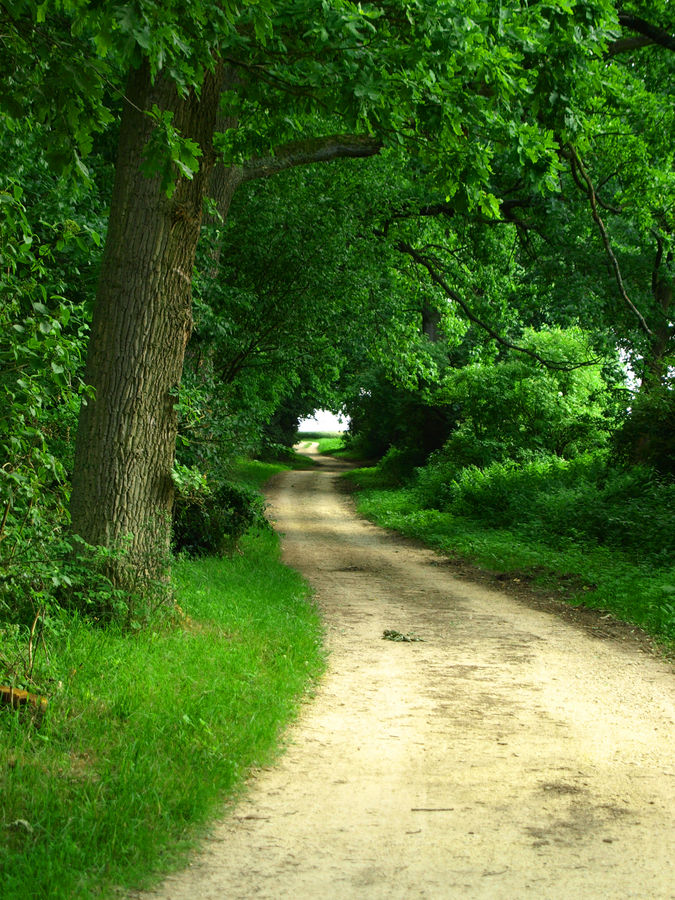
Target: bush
[
  {"x": 648, "y": 434},
  {"x": 398, "y": 464},
  {"x": 211, "y": 522},
  {"x": 585, "y": 500},
  {"x": 43, "y": 330}
]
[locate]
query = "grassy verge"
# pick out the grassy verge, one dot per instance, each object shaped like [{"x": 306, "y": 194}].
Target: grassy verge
[
  {"x": 332, "y": 444},
  {"x": 148, "y": 734},
  {"x": 255, "y": 474},
  {"x": 594, "y": 576}
]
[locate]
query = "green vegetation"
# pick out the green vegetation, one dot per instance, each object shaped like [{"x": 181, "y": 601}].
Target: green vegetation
[
  {"x": 148, "y": 734},
  {"x": 452, "y": 221},
  {"x": 331, "y": 444},
  {"x": 587, "y": 533},
  {"x": 531, "y": 475}
]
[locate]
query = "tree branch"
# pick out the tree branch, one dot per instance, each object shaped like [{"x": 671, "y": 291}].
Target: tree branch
[
  {"x": 625, "y": 45},
  {"x": 225, "y": 180},
  {"x": 447, "y": 209},
  {"x": 590, "y": 191},
  {"x": 584, "y": 189},
  {"x": 648, "y": 34},
  {"x": 647, "y": 30},
  {"x": 311, "y": 150},
  {"x": 438, "y": 279},
  {"x": 412, "y": 212}
]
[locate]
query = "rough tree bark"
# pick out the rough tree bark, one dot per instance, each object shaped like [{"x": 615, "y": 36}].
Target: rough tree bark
[
  {"x": 122, "y": 491},
  {"x": 142, "y": 320}
]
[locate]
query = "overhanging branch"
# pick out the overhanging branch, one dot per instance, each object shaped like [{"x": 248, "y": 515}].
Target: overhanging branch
[
  {"x": 307, "y": 152},
  {"x": 590, "y": 191},
  {"x": 438, "y": 279},
  {"x": 646, "y": 29},
  {"x": 648, "y": 34},
  {"x": 227, "y": 179},
  {"x": 438, "y": 209}
]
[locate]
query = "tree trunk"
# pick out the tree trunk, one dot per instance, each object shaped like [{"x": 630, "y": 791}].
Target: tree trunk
[
  {"x": 122, "y": 490},
  {"x": 435, "y": 421},
  {"x": 431, "y": 322},
  {"x": 656, "y": 364}
]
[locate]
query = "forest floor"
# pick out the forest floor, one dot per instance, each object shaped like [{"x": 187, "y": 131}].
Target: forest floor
[{"x": 513, "y": 751}]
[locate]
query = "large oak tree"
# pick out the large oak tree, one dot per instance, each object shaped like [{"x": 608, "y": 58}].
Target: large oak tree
[{"x": 216, "y": 93}]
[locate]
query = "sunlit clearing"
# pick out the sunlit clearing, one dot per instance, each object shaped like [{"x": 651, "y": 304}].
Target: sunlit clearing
[{"x": 322, "y": 420}]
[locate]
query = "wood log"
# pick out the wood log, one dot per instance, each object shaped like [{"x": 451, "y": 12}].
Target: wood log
[{"x": 10, "y": 696}]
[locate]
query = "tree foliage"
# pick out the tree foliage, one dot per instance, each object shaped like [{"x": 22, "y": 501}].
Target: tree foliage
[
  {"x": 477, "y": 279},
  {"x": 43, "y": 339}
]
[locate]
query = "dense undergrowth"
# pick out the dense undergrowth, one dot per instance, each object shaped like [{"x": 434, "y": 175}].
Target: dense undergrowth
[
  {"x": 148, "y": 733},
  {"x": 555, "y": 500},
  {"x": 594, "y": 533}
]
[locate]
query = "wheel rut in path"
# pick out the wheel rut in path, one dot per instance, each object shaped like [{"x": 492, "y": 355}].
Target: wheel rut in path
[{"x": 508, "y": 754}]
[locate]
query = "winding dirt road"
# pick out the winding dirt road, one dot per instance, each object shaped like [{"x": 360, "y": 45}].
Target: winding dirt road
[{"x": 508, "y": 754}]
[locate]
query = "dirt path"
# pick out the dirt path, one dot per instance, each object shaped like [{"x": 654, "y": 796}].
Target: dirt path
[{"x": 508, "y": 755}]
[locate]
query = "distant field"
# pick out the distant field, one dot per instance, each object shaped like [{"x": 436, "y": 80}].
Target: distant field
[
  {"x": 319, "y": 435},
  {"x": 331, "y": 443}
]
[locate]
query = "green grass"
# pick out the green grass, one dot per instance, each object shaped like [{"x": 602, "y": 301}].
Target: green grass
[
  {"x": 320, "y": 436},
  {"x": 332, "y": 444},
  {"x": 594, "y": 576},
  {"x": 148, "y": 734},
  {"x": 255, "y": 474}
]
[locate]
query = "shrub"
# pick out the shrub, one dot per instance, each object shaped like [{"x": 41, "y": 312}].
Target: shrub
[
  {"x": 398, "y": 464},
  {"x": 42, "y": 342},
  {"x": 648, "y": 434},
  {"x": 211, "y": 521},
  {"x": 584, "y": 500}
]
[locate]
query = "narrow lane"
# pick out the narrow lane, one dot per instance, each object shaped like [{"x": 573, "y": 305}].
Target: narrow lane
[{"x": 507, "y": 754}]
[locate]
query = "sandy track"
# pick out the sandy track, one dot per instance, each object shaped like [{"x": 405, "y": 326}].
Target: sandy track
[{"x": 508, "y": 755}]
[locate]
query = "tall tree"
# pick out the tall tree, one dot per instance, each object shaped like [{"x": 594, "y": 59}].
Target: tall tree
[{"x": 452, "y": 81}]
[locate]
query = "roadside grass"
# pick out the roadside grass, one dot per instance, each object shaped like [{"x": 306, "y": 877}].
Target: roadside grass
[
  {"x": 593, "y": 576},
  {"x": 254, "y": 473},
  {"x": 332, "y": 444},
  {"x": 149, "y": 735},
  {"x": 289, "y": 459}
]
